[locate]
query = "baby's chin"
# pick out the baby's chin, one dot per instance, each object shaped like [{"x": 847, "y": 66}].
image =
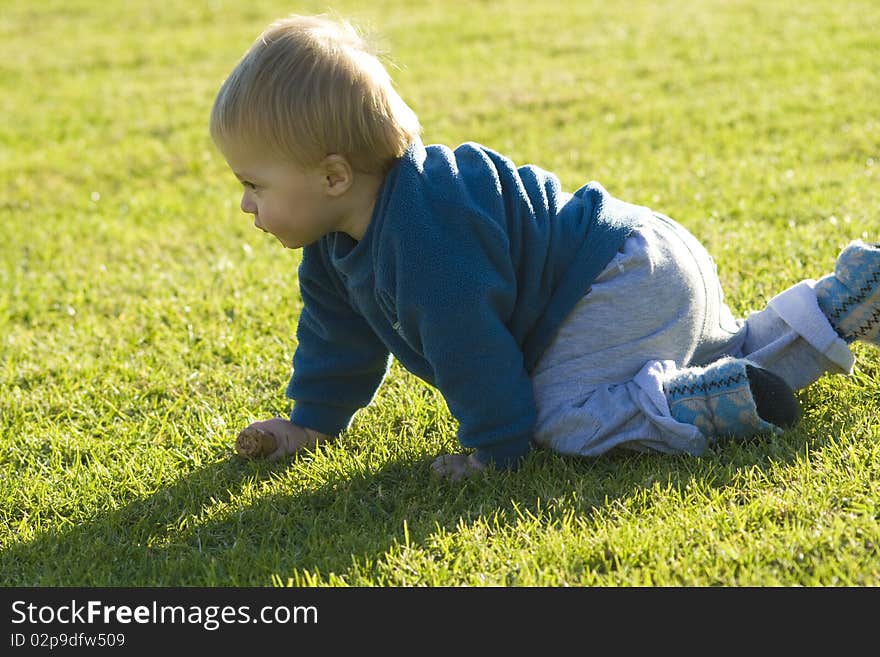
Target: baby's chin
[
  {"x": 286, "y": 243},
  {"x": 296, "y": 244},
  {"x": 289, "y": 244}
]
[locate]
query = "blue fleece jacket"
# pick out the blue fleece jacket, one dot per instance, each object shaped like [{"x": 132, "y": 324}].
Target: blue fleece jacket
[{"x": 467, "y": 269}]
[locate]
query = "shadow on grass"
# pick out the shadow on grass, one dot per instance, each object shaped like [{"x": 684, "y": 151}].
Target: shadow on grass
[{"x": 212, "y": 527}]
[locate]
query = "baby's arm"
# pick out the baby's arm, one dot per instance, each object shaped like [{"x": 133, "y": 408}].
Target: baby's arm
[{"x": 276, "y": 438}]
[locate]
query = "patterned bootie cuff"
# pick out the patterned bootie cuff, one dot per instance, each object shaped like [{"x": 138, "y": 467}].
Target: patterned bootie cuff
[
  {"x": 850, "y": 297},
  {"x": 717, "y": 399}
]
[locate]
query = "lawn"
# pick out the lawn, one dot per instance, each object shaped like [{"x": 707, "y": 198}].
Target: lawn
[{"x": 144, "y": 320}]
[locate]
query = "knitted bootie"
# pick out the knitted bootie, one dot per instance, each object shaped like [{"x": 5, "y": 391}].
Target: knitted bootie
[
  {"x": 850, "y": 297},
  {"x": 731, "y": 397}
]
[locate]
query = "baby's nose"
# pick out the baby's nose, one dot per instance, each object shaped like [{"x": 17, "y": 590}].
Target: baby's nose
[{"x": 247, "y": 205}]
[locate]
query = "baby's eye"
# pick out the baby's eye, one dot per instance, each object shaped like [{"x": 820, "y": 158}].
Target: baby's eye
[{"x": 248, "y": 185}]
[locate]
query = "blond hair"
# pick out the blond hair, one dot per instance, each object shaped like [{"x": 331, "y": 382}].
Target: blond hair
[{"x": 311, "y": 86}]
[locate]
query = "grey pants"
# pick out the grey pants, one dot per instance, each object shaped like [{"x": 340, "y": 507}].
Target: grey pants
[{"x": 657, "y": 307}]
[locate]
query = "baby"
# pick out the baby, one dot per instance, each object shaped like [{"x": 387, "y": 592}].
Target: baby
[{"x": 576, "y": 321}]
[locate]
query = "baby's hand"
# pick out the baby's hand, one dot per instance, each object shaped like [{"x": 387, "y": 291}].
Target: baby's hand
[
  {"x": 457, "y": 466},
  {"x": 275, "y": 439}
]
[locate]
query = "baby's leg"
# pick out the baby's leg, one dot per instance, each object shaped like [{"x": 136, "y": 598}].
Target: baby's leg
[
  {"x": 804, "y": 332},
  {"x": 792, "y": 338},
  {"x": 670, "y": 409},
  {"x": 620, "y": 370}
]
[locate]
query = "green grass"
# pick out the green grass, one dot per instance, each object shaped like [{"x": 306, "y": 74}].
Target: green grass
[{"x": 143, "y": 320}]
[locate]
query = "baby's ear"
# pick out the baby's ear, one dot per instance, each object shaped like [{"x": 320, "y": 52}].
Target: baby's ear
[{"x": 338, "y": 174}]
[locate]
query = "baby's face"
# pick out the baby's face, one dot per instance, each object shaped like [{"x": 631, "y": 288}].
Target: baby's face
[{"x": 286, "y": 200}]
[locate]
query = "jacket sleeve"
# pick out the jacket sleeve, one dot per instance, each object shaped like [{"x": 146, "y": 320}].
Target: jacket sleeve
[
  {"x": 453, "y": 300},
  {"x": 339, "y": 362}
]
